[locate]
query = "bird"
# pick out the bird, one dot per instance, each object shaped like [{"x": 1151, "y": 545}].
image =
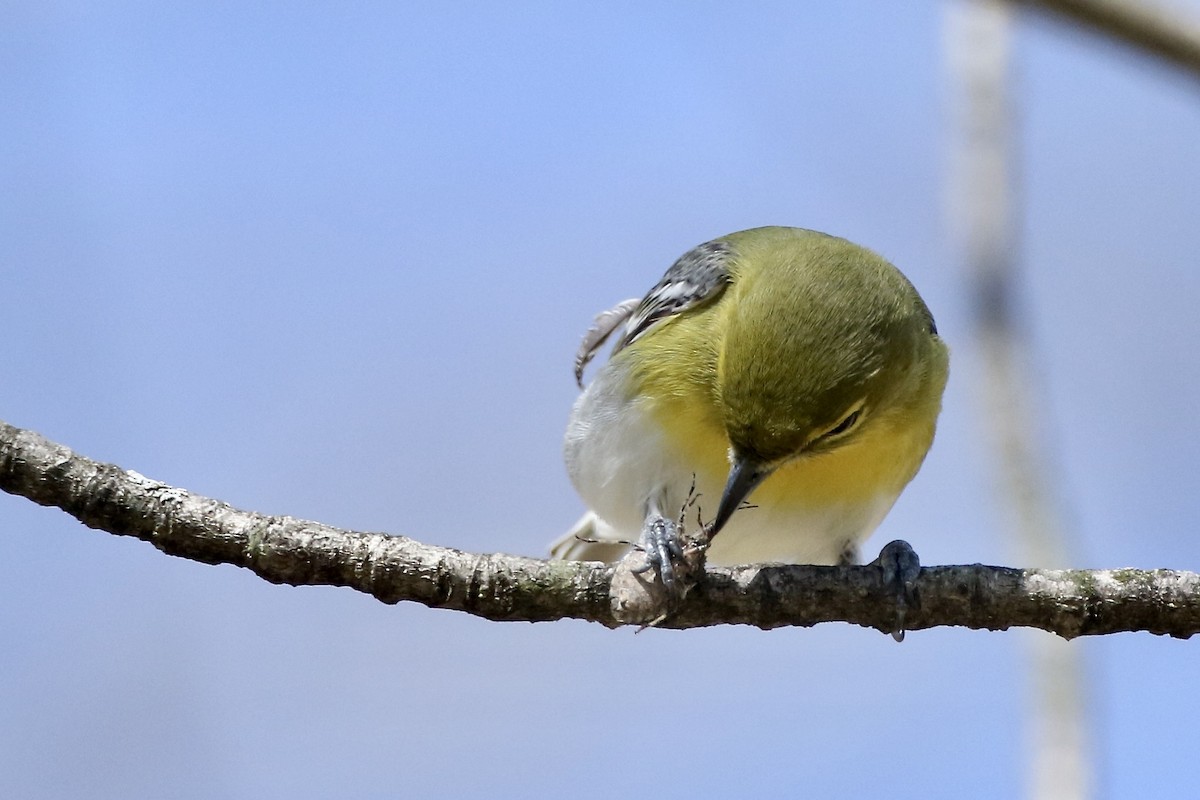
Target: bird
[{"x": 792, "y": 376}]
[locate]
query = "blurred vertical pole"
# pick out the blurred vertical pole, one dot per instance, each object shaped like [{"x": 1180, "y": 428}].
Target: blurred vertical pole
[{"x": 984, "y": 207}]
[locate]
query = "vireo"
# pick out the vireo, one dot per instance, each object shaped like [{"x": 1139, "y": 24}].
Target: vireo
[{"x": 777, "y": 365}]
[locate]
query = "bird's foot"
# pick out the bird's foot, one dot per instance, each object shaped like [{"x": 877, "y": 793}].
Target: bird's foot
[
  {"x": 663, "y": 549},
  {"x": 901, "y": 568}
]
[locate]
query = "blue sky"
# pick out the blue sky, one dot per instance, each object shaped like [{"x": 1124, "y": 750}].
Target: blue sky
[{"x": 335, "y": 263}]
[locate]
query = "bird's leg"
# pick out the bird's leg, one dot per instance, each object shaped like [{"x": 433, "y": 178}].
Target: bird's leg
[
  {"x": 664, "y": 547},
  {"x": 661, "y": 543},
  {"x": 901, "y": 568},
  {"x": 644, "y": 600}
]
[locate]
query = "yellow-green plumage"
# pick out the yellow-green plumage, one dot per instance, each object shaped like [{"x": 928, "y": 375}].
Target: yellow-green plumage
[{"x": 804, "y": 336}]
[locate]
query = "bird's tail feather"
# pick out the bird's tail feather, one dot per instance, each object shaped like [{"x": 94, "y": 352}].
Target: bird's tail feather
[{"x": 590, "y": 539}]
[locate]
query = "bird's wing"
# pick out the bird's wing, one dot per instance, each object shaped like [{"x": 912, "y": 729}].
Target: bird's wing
[
  {"x": 602, "y": 327},
  {"x": 700, "y": 275}
]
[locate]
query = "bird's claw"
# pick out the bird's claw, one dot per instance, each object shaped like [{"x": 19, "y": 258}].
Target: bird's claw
[
  {"x": 663, "y": 547},
  {"x": 901, "y": 568}
]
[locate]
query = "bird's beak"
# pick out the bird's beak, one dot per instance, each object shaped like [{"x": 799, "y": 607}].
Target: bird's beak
[{"x": 743, "y": 477}]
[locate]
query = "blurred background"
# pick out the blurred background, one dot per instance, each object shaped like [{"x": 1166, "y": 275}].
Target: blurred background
[{"x": 335, "y": 263}]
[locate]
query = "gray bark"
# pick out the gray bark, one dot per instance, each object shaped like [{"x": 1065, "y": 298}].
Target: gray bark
[{"x": 391, "y": 568}]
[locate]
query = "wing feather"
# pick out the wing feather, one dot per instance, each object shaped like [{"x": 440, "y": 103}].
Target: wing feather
[{"x": 697, "y": 277}]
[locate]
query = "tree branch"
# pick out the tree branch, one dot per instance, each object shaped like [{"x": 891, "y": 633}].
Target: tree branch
[
  {"x": 1166, "y": 33},
  {"x": 502, "y": 587}
]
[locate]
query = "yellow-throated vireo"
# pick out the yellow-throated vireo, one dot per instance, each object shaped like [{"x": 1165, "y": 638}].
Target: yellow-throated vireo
[{"x": 777, "y": 365}]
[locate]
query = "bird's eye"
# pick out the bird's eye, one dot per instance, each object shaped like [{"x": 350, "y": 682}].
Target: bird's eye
[{"x": 848, "y": 422}]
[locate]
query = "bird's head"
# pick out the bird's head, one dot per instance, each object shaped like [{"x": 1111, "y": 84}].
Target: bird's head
[{"x": 823, "y": 339}]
